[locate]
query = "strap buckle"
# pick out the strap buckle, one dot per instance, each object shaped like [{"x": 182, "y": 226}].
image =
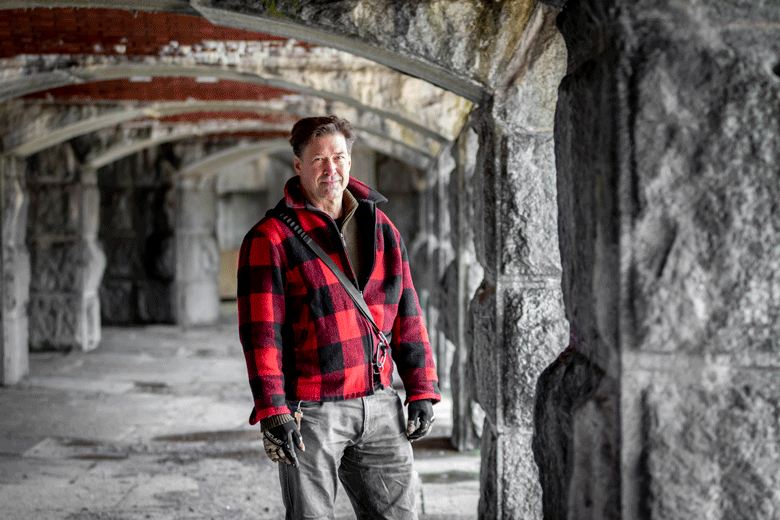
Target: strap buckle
[{"x": 381, "y": 354}]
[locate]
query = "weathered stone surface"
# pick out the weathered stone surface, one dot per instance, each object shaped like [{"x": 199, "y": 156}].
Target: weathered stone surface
[
  {"x": 526, "y": 202},
  {"x": 509, "y": 488},
  {"x": 16, "y": 285},
  {"x": 534, "y": 330},
  {"x": 136, "y": 231},
  {"x": 57, "y": 267},
  {"x": 198, "y": 302},
  {"x": 197, "y": 210},
  {"x": 656, "y": 132},
  {"x": 197, "y": 256},
  {"x": 472, "y": 39},
  {"x": 236, "y": 214},
  {"x": 482, "y": 346},
  {"x": 587, "y": 144},
  {"x": 527, "y": 97},
  {"x": 736, "y": 13},
  {"x": 713, "y": 449},
  {"x": 155, "y": 301},
  {"x": 15, "y": 277},
  {"x": 124, "y": 257},
  {"x": 707, "y": 233},
  {"x": 594, "y": 491},
  {"x": 55, "y": 321},
  {"x": 486, "y": 196},
  {"x": 522, "y": 492},
  {"x": 117, "y": 303},
  {"x": 561, "y": 388},
  {"x": 402, "y": 185},
  {"x": 66, "y": 261}
]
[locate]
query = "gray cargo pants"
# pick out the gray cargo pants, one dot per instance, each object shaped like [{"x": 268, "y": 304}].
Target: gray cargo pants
[{"x": 361, "y": 442}]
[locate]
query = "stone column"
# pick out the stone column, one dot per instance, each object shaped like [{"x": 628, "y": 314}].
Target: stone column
[
  {"x": 518, "y": 324},
  {"x": 700, "y": 250},
  {"x": 197, "y": 253},
  {"x": 460, "y": 282},
  {"x": 444, "y": 344},
  {"x": 16, "y": 273},
  {"x": 67, "y": 263},
  {"x": 668, "y": 140}
]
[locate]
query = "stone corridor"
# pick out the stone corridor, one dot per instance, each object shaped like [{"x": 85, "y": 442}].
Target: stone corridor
[
  {"x": 588, "y": 192},
  {"x": 153, "y": 424}
]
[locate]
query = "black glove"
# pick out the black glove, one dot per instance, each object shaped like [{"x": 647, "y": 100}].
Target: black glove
[
  {"x": 279, "y": 442},
  {"x": 422, "y": 411}
]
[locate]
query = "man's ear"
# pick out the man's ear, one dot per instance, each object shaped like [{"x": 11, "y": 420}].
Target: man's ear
[{"x": 297, "y": 165}]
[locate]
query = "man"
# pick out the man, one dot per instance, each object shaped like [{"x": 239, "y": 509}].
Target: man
[{"x": 318, "y": 371}]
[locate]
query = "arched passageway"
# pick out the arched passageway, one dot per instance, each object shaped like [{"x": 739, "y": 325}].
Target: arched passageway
[
  {"x": 123, "y": 146},
  {"x": 162, "y": 139}
]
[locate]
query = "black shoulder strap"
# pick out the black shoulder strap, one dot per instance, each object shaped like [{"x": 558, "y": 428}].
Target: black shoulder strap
[{"x": 353, "y": 291}]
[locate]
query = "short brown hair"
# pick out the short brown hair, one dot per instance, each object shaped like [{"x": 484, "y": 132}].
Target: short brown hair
[{"x": 309, "y": 127}]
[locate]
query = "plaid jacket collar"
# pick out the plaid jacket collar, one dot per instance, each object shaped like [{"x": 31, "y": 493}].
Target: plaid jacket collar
[{"x": 294, "y": 198}]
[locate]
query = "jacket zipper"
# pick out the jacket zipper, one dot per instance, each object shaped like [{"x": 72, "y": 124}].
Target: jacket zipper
[{"x": 370, "y": 355}]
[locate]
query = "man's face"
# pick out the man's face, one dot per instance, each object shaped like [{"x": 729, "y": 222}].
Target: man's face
[{"x": 324, "y": 169}]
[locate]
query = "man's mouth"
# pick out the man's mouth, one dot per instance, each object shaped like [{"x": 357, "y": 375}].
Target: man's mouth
[{"x": 333, "y": 179}]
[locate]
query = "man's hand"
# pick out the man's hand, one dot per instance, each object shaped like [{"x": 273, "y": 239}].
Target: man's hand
[
  {"x": 279, "y": 441},
  {"x": 420, "y": 419}
]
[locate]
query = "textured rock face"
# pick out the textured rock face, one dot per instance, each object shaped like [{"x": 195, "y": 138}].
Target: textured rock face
[
  {"x": 16, "y": 273},
  {"x": 471, "y": 38},
  {"x": 137, "y": 233},
  {"x": 706, "y": 243},
  {"x": 666, "y": 146},
  {"x": 560, "y": 390},
  {"x": 517, "y": 320},
  {"x": 197, "y": 254},
  {"x": 66, "y": 261},
  {"x": 705, "y": 256},
  {"x": 713, "y": 447}
]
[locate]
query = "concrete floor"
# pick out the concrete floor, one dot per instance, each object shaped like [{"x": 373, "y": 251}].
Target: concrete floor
[{"x": 153, "y": 425}]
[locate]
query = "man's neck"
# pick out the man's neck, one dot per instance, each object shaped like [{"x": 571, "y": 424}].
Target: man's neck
[{"x": 333, "y": 208}]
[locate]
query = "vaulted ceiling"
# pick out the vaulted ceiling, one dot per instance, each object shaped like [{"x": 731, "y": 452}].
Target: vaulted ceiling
[{"x": 172, "y": 70}]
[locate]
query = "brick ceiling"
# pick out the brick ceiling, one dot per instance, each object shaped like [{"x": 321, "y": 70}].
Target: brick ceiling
[
  {"x": 49, "y": 43},
  {"x": 111, "y": 32}
]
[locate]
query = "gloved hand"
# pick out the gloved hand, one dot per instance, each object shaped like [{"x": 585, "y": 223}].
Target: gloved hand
[
  {"x": 279, "y": 441},
  {"x": 420, "y": 419}
]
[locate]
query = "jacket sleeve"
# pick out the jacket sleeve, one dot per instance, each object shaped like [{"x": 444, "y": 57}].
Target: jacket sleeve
[
  {"x": 411, "y": 346},
  {"x": 260, "y": 294}
]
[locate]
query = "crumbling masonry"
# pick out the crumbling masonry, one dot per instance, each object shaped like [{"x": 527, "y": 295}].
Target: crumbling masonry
[{"x": 597, "y": 175}]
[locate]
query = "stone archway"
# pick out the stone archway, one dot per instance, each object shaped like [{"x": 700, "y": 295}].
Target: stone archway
[{"x": 489, "y": 216}]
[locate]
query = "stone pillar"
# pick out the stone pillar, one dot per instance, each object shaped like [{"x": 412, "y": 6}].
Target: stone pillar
[
  {"x": 16, "y": 273},
  {"x": 517, "y": 318},
  {"x": 668, "y": 140},
  {"x": 67, "y": 264},
  {"x": 460, "y": 282},
  {"x": 197, "y": 253},
  {"x": 445, "y": 222},
  {"x": 364, "y": 165}
]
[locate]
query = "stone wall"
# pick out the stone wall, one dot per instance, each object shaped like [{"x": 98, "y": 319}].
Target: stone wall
[
  {"x": 666, "y": 147},
  {"x": 494, "y": 272},
  {"x": 488, "y": 237},
  {"x": 66, "y": 261},
  {"x": 137, "y": 233},
  {"x": 15, "y": 272}
]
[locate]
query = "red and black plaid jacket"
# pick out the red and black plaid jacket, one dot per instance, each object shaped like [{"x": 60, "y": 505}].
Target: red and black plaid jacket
[{"x": 302, "y": 335}]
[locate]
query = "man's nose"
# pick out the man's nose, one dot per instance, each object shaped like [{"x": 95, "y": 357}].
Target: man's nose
[{"x": 330, "y": 165}]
